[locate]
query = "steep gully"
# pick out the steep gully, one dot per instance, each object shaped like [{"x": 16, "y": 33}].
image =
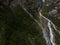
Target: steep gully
[{"x": 51, "y": 40}]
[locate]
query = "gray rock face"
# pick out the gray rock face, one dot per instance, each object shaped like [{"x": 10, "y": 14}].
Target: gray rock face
[{"x": 53, "y": 12}]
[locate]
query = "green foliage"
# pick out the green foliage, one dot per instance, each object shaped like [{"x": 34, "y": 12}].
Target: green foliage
[{"x": 17, "y": 27}]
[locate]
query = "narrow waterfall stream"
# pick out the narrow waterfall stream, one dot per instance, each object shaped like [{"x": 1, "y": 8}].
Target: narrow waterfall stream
[
  {"x": 50, "y": 23},
  {"x": 50, "y": 29},
  {"x": 49, "y": 40},
  {"x": 51, "y": 34}
]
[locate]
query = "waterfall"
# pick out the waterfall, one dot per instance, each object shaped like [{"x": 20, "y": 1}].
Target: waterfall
[
  {"x": 51, "y": 34},
  {"x": 51, "y": 40},
  {"x": 50, "y": 29},
  {"x": 40, "y": 25},
  {"x": 50, "y": 23}
]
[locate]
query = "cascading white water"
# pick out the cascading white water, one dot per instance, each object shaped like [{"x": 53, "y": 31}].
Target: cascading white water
[
  {"x": 50, "y": 28},
  {"x": 50, "y": 23},
  {"x": 48, "y": 41},
  {"x": 51, "y": 34},
  {"x": 41, "y": 26}
]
